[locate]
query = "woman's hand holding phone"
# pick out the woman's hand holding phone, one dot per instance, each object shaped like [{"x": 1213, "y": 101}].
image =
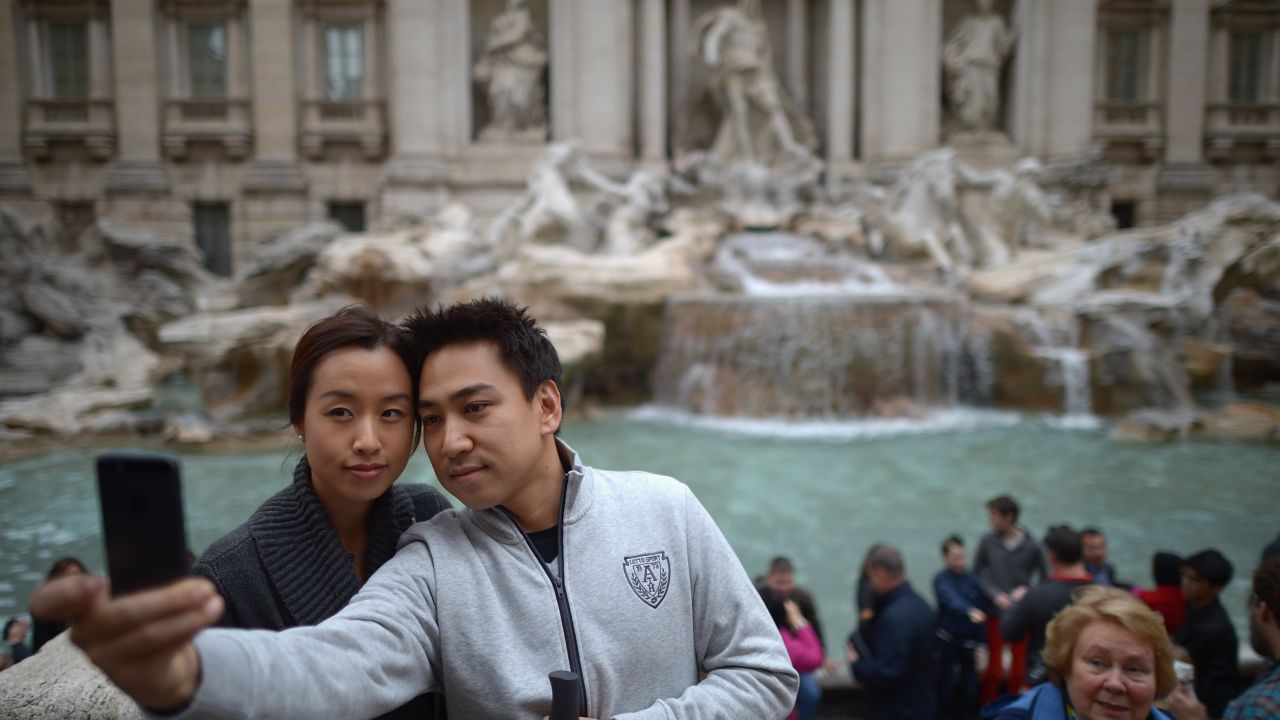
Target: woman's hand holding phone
[{"x": 142, "y": 641}]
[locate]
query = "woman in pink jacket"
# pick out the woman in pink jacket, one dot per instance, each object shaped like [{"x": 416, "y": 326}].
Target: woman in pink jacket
[{"x": 797, "y": 634}]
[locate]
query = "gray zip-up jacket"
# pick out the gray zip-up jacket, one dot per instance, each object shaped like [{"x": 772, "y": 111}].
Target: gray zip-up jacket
[{"x": 652, "y": 594}]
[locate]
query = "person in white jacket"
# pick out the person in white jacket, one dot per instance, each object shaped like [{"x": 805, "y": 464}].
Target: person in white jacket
[{"x": 552, "y": 565}]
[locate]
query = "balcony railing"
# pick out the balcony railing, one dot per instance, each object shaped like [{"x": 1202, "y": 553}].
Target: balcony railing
[
  {"x": 1138, "y": 124},
  {"x": 88, "y": 121},
  {"x": 362, "y": 122},
  {"x": 225, "y": 122},
  {"x": 1243, "y": 125}
]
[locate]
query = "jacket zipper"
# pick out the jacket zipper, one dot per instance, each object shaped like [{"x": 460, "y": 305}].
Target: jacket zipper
[{"x": 562, "y": 597}]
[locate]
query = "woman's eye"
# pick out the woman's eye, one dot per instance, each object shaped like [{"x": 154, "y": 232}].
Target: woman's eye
[
  {"x": 339, "y": 412},
  {"x": 394, "y": 413},
  {"x": 429, "y": 420}
]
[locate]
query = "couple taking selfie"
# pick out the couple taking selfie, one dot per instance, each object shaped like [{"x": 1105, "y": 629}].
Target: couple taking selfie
[{"x": 345, "y": 596}]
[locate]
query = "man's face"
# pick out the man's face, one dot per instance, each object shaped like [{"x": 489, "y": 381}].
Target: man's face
[
  {"x": 1000, "y": 524},
  {"x": 1095, "y": 549},
  {"x": 1196, "y": 589},
  {"x": 957, "y": 558},
  {"x": 485, "y": 439},
  {"x": 781, "y": 582}
]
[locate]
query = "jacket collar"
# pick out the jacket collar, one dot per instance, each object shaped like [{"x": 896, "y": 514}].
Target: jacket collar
[
  {"x": 578, "y": 487},
  {"x": 305, "y": 561}
]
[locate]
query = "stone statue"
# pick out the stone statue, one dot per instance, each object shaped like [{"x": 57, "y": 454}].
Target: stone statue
[
  {"x": 972, "y": 57},
  {"x": 758, "y": 122},
  {"x": 511, "y": 67}
]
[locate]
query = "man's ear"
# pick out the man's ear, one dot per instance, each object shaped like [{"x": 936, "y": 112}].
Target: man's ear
[
  {"x": 1265, "y": 615},
  {"x": 550, "y": 411}
]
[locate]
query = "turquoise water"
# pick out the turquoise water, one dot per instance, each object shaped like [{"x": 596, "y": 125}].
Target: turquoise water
[{"x": 820, "y": 493}]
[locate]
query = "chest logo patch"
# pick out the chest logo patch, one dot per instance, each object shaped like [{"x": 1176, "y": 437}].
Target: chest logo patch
[{"x": 649, "y": 576}]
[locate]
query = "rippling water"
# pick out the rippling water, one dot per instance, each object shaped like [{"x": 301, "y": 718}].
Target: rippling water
[{"x": 818, "y": 492}]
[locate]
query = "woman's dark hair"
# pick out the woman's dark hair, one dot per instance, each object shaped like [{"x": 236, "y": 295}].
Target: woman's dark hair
[
  {"x": 352, "y": 326},
  {"x": 773, "y": 603},
  {"x": 62, "y": 565}
]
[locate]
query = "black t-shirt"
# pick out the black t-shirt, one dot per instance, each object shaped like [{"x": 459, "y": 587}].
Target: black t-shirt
[
  {"x": 1209, "y": 636},
  {"x": 547, "y": 543}
]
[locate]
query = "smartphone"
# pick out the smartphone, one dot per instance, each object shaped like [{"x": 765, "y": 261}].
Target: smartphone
[{"x": 142, "y": 522}]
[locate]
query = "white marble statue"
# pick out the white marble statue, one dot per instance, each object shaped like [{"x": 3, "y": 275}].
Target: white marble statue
[
  {"x": 971, "y": 58},
  {"x": 511, "y": 67},
  {"x": 758, "y": 122},
  {"x": 1002, "y": 209}
]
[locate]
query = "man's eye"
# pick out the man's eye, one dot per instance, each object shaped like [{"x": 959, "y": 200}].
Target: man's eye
[
  {"x": 430, "y": 419},
  {"x": 476, "y": 407}
]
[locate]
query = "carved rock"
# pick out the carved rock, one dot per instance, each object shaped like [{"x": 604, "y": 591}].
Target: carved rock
[{"x": 59, "y": 683}]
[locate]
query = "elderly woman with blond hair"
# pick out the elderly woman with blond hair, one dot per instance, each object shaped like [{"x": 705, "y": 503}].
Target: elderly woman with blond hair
[{"x": 1108, "y": 657}]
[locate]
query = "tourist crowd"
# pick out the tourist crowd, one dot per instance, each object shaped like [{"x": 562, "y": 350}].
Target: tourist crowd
[{"x": 1003, "y": 644}]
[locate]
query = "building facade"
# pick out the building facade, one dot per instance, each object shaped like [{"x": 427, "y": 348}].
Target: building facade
[{"x": 224, "y": 121}]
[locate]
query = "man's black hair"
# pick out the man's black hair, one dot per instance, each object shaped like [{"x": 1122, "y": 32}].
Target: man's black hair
[
  {"x": 1211, "y": 565},
  {"x": 1004, "y": 505},
  {"x": 781, "y": 564},
  {"x": 951, "y": 540},
  {"x": 1065, "y": 544},
  {"x": 1090, "y": 531},
  {"x": 1266, "y": 584},
  {"x": 522, "y": 345},
  {"x": 1165, "y": 567}
]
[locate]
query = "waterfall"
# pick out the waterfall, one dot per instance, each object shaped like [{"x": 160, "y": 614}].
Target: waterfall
[
  {"x": 1056, "y": 337},
  {"x": 814, "y": 357}
]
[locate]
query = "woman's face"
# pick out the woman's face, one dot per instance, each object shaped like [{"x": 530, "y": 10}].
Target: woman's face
[
  {"x": 357, "y": 425},
  {"x": 1112, "y": 674}
]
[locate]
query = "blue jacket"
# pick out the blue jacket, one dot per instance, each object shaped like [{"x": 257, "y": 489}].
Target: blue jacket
[
  {"x": 1042, "y": 702},
  {"x": 958, "y": 594},
  {"x": 901, "y": 674}
]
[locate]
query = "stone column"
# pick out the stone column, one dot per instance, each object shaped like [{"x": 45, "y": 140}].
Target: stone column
[
  {"x": 653, "y": 82},
  {"x": 678, "y": 57},
  {"x": 1053, "y": 92},
  {"x": 841, "y": 82},
  {"x": 428, "y": 94},
  {"x": 591, "y": 77},
  {"x": 1187, "y": 86},
  {"x": 797, "y": 44},
  {"x": 13, "y": 172},
  {"x": 137, "y": 100},
  {"x": 902, "y": 78}
]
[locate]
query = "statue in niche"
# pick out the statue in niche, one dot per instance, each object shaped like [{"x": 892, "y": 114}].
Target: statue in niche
[
  {"x": 511, "y": 67},
  {"x": 971, "y": 58},
  {"x": 758, "y": 122},
  {"x": 760, "y": 151}
]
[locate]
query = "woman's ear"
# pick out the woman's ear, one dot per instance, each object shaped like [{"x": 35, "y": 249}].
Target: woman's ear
[{"x": 297, "y": 428}]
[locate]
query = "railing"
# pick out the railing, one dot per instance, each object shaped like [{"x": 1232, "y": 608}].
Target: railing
[
  {"x": 227, "y": 122},
  {"x": 343, "y": 121},
  {"x": 91, "y": 122},
  {"x": 1129, "y": 119},
  {"x": 1250, "y": 118}
]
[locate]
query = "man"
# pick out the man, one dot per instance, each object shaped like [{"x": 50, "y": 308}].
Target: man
[
  {"x": 900, "y": 670},
  {"x": 622, "y": 578},
  {"x": 15, "y": 634},
  {"x": 1008, "y": 559},
  {"x": 1262, "y": 700},
  {"x": 1207, "y": 632},
  {"x": 1095, "y": 557},
  {"x": 961, "y": 617},
  {"x": 1029, "y": 617},
  {"x": 782, "y": 579}
]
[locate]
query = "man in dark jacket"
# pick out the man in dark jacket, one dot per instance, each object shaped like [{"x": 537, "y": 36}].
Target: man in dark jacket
[
  {"x": 1029, "y": 618},
  {"x": 899, "y": 668},
  {"x": 962, "y": 617},
  {"x": 1207, "y": 633}
]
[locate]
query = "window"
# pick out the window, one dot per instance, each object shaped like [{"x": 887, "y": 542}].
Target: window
[
  {"x": 1245, "y": 70},
  {"x": 1125, "y": 54},
  {"x": 213, "y": 236},
  {"x": 69, "y": 60},
  {"x": 350, "y": 215},
  {"x": 207, "y": 61},
  {"x": 344, "y": 62}
]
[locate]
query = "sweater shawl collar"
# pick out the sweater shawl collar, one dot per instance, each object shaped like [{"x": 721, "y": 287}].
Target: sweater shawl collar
[
  {"x": 305, "y": 561},
  {"x": 579, "y": 490}
]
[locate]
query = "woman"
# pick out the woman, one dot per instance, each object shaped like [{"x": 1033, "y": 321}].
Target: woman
[
  {"x": 1166, "y": 598},
  {"x": 798, "y": 636},
  {"x": 1108, "y": 656},
  {"x": 305, "y": 552}
]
